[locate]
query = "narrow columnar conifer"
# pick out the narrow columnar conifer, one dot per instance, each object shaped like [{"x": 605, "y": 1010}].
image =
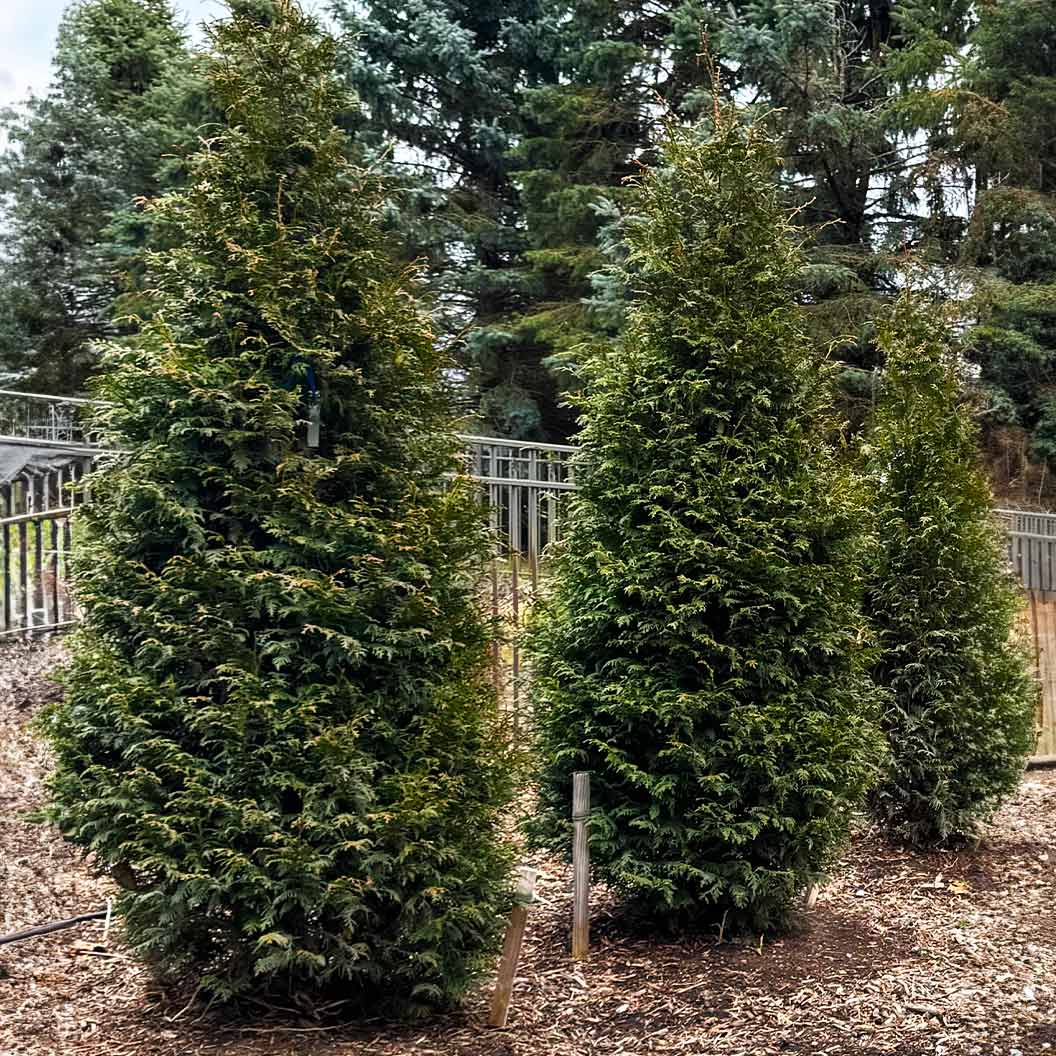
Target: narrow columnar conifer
[
  {"x": 960, "y": 716},
  {"x": 278, "y": 728},
  {"x": 701, "y": 653}
]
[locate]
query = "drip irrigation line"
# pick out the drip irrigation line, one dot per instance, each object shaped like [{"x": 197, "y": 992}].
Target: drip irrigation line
[{"x": 45, "y": 929}]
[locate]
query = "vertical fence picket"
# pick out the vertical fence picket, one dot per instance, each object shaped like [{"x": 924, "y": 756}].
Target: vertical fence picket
[
  {"x": 37, "y": 614},
  {"x": 495, "y": 567},
  {"x": 5, "y": 505},
  {"x": 533, "y": 519},
  {"x": 515, "y": 643},
  {"x": 53, "y": 573},
  {"x": 23, "y": 574},
  {"x": 67, "y": 540}
]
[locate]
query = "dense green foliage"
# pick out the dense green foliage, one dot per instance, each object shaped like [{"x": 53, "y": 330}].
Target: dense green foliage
[
  {"x": 838, "y": 70},
  {"x": 1006, "y": 118},
  {"x": 278, "y": 731},
  {"x": 850, "y": 85},
  {"x": 585, "y": 134},
  {"x": 1000, "y": 112},
  {"x": 960, "y": 718},
  {"x": 517, "y": 125},
  {"x": 442, "y": 85},
  {"x": 124, "y": 97},
  {"x": 701, "y": 654},
  {"x": 510, "y": 129},
  {"x": 514, "y": 126}
]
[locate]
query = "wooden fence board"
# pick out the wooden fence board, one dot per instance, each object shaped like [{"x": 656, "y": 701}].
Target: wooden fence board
[{"x": 1040, "y": 616}]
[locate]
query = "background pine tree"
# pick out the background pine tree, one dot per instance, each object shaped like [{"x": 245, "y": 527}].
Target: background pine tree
[
  {"x": 700, "y": 654},
  {"x": 514, "y": 126},
  {"x": 278, "y": 729},
  {"x": 584, "y": 134},
  {"x": 1001, "y": 115},
  {"x": 122, "y": 108},
  {"x": 960, "y": 718},
  {"x": 849, "y": 88},
  {"x": 442, "y": 86}
]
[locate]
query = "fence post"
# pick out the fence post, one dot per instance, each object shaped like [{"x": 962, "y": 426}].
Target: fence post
[
  {"x": 511, "y": 950},
  {"x": 23, "y": 573},
  {"x": 6, "y": 507},
  {"x": 580, "y": 865}
]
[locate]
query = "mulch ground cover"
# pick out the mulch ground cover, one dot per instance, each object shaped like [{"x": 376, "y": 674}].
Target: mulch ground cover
[{"x": 944, "y": 954}]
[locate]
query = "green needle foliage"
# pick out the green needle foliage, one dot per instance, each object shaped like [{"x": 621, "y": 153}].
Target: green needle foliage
[
  {"x": 123, "y": 105},
  {"x": 700, "y": 653},
  {"x": 278, "y": 731},
  {"x": 960, "y": 719}
]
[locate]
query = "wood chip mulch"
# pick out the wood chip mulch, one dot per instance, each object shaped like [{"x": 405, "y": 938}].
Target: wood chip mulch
[{"x": 943, "y": 954}]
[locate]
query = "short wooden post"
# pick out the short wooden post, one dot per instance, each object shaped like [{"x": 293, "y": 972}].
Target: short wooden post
[
  {"x": 811, "y": 896},
  {"x": 580, "y": 865},
  {"x": 511, "y": 950}
]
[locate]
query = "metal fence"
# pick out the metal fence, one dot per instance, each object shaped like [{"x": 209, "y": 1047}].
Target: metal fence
[
  {"x": 58, "y": 422},
  {"x": 1028, "y": 522},
  {"x": 1031, "y": 547},
  {"x": 524, "y": 486},
  {"x": 35, "y": 539}
]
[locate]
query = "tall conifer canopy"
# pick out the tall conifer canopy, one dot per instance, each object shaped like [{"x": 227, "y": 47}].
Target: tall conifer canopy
[
  {"x": 122, "y": 106},
  {"x": 961, "y": 715},
  {"x": 278, "y": 727},
  {"x": 700, "y": 653}
]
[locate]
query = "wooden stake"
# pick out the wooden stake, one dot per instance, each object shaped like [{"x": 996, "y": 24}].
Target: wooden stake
[
  {"x": 580, "y": 866},
  {"x": 511, "y": 950}
]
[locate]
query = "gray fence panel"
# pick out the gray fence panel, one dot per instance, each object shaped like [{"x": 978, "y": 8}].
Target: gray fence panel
[
  {"x": 524, "y": 485},
  {"x": 1031, "y": 547}
]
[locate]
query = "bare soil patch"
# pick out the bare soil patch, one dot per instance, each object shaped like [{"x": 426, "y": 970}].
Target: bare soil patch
[{"x": 943, "y": 954}]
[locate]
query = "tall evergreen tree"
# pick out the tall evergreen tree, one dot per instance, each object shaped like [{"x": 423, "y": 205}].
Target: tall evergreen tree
[
  {"x": 124, "y": 95},
  {"x": 1005, "y": 119},
  {"x": 442, "y": 85},
  {"x": 846, "y": 76},
  {"x": 841, "y": 79},
  {"x": 960, "y": 719},
  {"x": 701, "y": 654},
  {"x": 1000, "y": 120},
  {"x": 518, "y": 124},
  {"x": 278, "y": 728}
]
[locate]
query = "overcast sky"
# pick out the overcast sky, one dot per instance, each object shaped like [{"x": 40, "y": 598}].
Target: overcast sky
[{"x": 27, "y": 38}]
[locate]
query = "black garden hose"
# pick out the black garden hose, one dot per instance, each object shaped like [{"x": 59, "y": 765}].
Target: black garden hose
[{"x": 44, "y": 929}]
